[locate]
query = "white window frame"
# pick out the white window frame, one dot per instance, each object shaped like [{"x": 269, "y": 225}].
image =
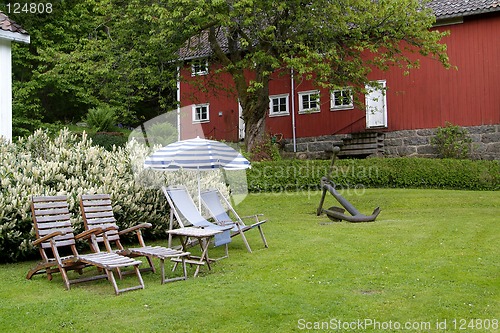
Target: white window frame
[
  {"x": 199, "y": 67},
  {"x": 273, "y": 113},
  {"x": 309, "y": 109},
  {"x": 198, "y": 107},
  {"x": 344, "y": 91}
]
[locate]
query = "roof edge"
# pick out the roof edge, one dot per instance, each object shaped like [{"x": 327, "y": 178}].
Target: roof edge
[
  {"x": 15, "y": 36},
  {"x": 469, "y": 13}
]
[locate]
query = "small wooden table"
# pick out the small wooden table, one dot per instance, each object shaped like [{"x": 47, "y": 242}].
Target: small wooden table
[{"x": 203, "y": 236}]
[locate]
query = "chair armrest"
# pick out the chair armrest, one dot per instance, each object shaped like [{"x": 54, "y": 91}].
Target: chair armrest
[
  {"x": 47, "y": 237},
  {"x": 109, "y": 229},
  {"x": 135, "y": 227},
  {"x": 225, "y": 223},
  {"x": 86, "y": 234},
  {"x": 228, "y": 226},
  {"x": 224, "y": 226},
  {"x": 251, "y": 216},
  {"x": 256, "y": 224}
]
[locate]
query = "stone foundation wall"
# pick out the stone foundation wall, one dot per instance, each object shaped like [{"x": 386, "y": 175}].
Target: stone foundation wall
[
  {"x": 486, "y": 144},
  {"x": 313, "y": 147}
]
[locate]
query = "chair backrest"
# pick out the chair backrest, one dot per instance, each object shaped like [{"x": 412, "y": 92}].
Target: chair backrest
[
  {"x": 182, "y": 204},
  {"x": 213, "y": 202},
  {"x": 97, "y": 212},
  {"x": 51, "y": 214}
]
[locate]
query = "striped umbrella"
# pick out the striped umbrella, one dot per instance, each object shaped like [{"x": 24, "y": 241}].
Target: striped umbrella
[{"x": 196, "y": 154}]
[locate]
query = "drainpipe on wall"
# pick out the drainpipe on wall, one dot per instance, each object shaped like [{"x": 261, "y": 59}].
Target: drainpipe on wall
[
  {"x": 294, "y": 138},
  {"x": 178, "y": 104}
]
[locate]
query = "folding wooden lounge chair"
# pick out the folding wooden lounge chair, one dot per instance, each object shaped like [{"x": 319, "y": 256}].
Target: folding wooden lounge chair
[
  {"x": 54, "y": 233},
  {"x": 97, "y": 212},
  {"x": 184, "y": 210},
  {"x": 214, "y": 201}
]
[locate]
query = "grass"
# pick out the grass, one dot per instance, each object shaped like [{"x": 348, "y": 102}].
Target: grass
[{"x": 431, "y": 256}]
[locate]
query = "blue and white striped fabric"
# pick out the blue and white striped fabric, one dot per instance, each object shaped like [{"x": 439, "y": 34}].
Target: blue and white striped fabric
[{"x": 197, "y": 154}]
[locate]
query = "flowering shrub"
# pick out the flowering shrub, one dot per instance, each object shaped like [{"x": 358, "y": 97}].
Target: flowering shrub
[{"x": 70, "y": 165}]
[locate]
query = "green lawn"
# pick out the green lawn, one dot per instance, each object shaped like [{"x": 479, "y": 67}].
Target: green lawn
[{"x": 431, "y": 256}]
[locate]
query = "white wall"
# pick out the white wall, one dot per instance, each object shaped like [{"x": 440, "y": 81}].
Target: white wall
[{"x": 5, "y": 89}]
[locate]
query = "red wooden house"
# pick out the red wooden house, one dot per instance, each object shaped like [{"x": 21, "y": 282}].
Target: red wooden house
[{"x": 399, "y": 120}]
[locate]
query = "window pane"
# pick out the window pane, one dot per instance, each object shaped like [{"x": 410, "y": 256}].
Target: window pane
[
  {"x": 199, "y": 66},
  {"x": 305, "y": 102},
  {"x": 347, "y": 99},
  {"x": 282, "y": 106},
  {"x": 276, "y": 107},
  {"x": 338, "y": 98},
  {"x": 342, "y": 99},
  {"x": 201, "y": 113}
]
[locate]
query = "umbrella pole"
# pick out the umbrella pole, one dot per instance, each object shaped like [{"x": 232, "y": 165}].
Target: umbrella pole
[{"x": 199, "y": 191}]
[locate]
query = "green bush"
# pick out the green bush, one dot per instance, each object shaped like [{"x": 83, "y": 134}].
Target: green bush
[
  {"x": 452, "y": 141},
  {"x": 162, "y": 133},
  {"x": 101, "y": 119},
  {"x": 108, "y": 140},
  {"x": 292, "y": 175},
  {"x": 265, "y": 150},
  {"x": 69, "y": 164}
]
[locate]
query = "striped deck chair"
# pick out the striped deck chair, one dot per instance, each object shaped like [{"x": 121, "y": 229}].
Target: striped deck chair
[
  {"x": 214, "y": 201},
  {"x": 184, "y": 210}
]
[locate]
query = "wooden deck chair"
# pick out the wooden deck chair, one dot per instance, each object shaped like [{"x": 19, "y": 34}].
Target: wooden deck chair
[
  {"x": 97, "y": 212},
  {"x": 214, "y": 202},
  {"x": 54, "y": 234},
  {"x": 184, "y": 210}
]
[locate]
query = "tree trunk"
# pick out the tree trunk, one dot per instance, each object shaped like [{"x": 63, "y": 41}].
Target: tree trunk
[
  {"x": 255, "y": 107},
  {"x": 254, "y": 133},
  {"x": 253, "y": 93}
]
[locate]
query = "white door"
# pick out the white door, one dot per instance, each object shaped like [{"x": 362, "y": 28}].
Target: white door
[
  {"x": 241, "y": 123},
  {"x": 376, "y": 105}
]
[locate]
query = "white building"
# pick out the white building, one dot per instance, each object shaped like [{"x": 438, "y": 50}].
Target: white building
[{"x": 9, "y": 32}]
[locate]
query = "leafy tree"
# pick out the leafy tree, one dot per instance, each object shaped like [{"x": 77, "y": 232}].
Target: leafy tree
[
  {"x": 91, "y": 53},
  {"x": 123, "y": 61},
  {"x": 334, "y": 43},
  {"x": 38, "y": 97}
]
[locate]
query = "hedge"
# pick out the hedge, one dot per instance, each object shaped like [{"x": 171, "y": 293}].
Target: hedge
[{"x": 291, "y": 175}]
